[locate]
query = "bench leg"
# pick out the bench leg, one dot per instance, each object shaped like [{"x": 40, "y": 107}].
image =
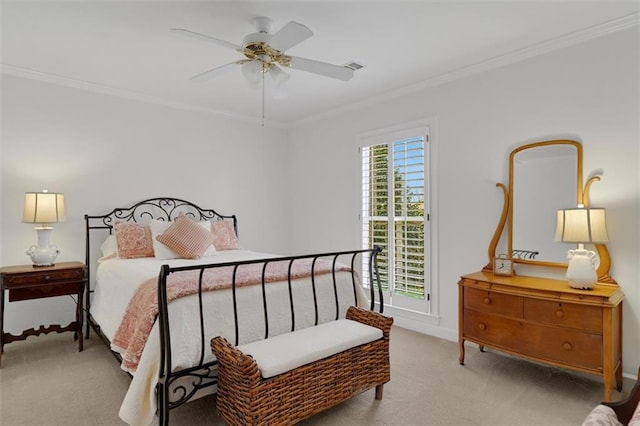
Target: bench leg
[{"x": 379, "y": 392}]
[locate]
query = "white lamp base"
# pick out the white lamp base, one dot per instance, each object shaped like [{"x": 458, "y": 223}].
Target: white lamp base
[
  {"x": 43, "y": 254},
  {"x": 581, "y": 272}
]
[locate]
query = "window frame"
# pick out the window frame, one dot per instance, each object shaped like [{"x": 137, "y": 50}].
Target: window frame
[{"x": 387, "y": 137}]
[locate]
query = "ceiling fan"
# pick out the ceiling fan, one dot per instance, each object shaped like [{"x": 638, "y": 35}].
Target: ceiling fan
[{"x": 264, "y": 54}]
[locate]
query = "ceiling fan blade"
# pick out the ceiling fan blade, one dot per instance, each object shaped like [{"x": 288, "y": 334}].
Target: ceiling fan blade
[
  {"x": 204, "y": 76},
  {"x": 322, "y": 68},
  {"x": 207, "y": 38},
  {"x": 289, "y": 35}
]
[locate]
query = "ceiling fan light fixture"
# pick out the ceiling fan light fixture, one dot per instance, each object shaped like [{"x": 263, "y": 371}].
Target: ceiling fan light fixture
[
  {"x": 252, "y": 71},
  {"x": 278, "y": 76}
]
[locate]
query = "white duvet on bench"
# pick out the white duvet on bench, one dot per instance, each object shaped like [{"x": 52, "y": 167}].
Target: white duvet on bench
[{"x": 285, "y": 352}]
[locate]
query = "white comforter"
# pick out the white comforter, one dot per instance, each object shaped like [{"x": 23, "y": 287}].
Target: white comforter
[{"x": 117, "y": 280}]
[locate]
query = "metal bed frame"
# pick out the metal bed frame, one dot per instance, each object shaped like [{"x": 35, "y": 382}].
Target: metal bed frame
[{"x": 204, "y": 374}]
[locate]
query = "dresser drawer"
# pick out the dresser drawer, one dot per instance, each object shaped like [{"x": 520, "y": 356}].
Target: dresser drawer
[
  {"x": 492, "y": 302},
  {"x": 493, "y": 330},
  {"x": 563, "y": 345},
  {"x": 583, "y": 317},
  {"x": 538, "y": 341},
  {"x": 43, "y": 278}
]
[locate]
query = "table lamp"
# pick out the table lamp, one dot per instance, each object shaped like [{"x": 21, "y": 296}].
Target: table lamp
[
  {"x": 43, "y": 208},
  {"x": 582, "y": 226}
]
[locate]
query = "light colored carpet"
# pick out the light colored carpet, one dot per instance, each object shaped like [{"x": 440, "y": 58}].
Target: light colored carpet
[{"x": 45, "y": 381}]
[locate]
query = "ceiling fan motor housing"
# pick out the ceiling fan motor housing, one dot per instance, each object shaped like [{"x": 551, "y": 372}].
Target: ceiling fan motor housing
[{"x": 255, "y": 46}]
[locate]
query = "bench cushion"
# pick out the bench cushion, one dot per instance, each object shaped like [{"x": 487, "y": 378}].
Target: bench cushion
[{"x": 282, "y": 353}]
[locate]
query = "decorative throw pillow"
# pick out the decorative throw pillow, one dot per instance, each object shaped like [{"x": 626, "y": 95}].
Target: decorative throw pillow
[
  {"x": 225, "y": 237},
  {"x": 133, "y": 240},
  {"x": 162, "y": 252},
  {"x": 602, "y": 415},
  {"x": 186, "y": 238}
]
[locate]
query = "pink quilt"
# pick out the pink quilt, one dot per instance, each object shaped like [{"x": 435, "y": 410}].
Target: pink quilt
[{"x": 141, "y": 312}]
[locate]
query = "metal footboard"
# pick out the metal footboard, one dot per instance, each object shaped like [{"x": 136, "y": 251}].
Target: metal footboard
[{"x": 172, "y": 390}]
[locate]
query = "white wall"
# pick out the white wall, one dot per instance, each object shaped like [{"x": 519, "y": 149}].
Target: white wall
[
  {"x": 588, "y": 92},
  {"x": 104, "y": 152}
]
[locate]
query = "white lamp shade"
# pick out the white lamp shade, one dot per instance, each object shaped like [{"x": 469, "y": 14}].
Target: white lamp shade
[
  {"x": 43, "y": 207},
  {"x": 581, "y": 225}
]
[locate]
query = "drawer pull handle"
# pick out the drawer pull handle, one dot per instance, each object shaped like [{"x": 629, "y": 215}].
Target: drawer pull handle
[
  {"x": 47, "y": 277},
  {"x": 559, "y": 313},
  {"x": 482, "y": 326},
  {"x": 567, "y": 346},
  {"x": 487, "y": 301}
]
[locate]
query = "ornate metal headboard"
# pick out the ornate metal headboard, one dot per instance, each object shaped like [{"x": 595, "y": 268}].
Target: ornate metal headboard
[{"x": 160, "y": 208}]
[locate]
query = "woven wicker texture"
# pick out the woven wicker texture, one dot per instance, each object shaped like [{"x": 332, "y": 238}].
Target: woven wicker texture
[{"x": 245, "y": 398}]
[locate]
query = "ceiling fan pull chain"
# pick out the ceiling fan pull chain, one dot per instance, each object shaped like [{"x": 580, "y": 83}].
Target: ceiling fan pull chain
[{"x": 262, "y": 99}]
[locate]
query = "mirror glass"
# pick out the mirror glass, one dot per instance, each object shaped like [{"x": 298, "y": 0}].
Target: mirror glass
[{"x": 544, "y": 178}]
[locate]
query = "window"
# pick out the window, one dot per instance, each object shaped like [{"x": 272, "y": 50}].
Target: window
[{"x": 394, "y": 216}]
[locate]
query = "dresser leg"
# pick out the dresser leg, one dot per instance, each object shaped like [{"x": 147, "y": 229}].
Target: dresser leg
[
  {"x": 461, "y": 347},
  {"x": 481, "y": 347}
]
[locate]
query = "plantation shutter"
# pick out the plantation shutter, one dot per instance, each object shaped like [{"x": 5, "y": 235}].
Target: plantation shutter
[{"x": 393, "y": 215}]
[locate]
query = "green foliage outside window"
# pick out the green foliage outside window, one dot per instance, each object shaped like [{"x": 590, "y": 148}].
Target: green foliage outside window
[{"x": 408, "y": 220}]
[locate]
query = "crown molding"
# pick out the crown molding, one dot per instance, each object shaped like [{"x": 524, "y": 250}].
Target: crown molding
[
  {"x": 518, "y": 55},
  {"x": 127, "y": 94}
]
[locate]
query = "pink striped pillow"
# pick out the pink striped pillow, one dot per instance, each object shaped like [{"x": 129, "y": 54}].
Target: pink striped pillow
[{"x": 186, "y": 238}]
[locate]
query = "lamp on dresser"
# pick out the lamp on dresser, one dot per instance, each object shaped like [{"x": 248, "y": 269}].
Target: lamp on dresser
[
  {"x": 43, "y": 208},
  {"x": 581, "y": 226}
]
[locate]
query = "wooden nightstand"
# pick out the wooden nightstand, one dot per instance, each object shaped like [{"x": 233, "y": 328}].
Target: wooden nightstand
[{"x": 27, "y": 282}]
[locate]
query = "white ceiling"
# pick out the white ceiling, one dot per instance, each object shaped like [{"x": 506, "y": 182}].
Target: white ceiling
[{"x": 126, "y": 48}]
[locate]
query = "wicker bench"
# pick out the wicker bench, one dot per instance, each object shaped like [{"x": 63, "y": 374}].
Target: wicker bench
[{"x": 246, "y": 397}]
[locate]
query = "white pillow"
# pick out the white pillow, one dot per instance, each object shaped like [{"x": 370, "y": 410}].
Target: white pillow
[
  {"x": 109, "y": 247},
  {"x": 163, "y": 252}
]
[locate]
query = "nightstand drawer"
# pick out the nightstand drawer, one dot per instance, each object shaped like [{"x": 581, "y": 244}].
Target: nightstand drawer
[
  {"x": 43, "y": 278},
  {"x": 28, "y": 293}
]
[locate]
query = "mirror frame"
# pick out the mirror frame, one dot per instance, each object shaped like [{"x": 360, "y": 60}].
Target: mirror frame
[
  {"x": 510, "y": 218},
  {"x": 582, "y": 197}
]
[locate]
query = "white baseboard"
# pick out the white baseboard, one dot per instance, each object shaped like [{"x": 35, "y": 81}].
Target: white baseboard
[{"x": 420, "y": 322}]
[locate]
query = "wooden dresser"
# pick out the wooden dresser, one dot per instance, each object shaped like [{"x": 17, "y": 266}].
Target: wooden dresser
[{"x": 545, "y": 320}]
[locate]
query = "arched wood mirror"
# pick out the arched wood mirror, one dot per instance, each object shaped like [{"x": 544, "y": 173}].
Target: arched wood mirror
[{"x": 543, "y": 178}]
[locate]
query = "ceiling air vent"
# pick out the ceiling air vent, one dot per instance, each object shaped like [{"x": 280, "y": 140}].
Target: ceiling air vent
[{"x": 353, "y": 65}]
